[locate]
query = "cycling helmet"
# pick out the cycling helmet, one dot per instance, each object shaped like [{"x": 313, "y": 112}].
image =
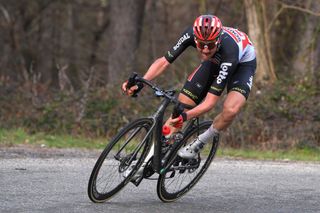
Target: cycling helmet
[{"x": 207, "y": 28}]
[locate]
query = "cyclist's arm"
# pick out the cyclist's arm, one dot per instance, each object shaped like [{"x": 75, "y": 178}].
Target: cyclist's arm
[
  {"x": 205, "y": 106},
  {"x": 158, "y": 67}
]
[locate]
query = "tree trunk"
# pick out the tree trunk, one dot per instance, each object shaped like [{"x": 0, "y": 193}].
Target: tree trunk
[
  {"x": 257, "y": 25},
  {"x": 306, "y": 59},
  {"x": 125, "y": 29},
  {"x": 316, "y": 57}
]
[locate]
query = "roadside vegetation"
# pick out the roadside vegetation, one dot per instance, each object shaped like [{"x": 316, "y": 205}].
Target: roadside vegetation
[
  {"x": 63, "y": 63},
  {"x": 279, "y": 122},
  {"x": 16, "y": 137}
]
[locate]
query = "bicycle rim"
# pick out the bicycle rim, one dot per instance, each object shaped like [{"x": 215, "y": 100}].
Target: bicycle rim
[
  {"x": 120, "y": 160},
  {"x": 183, "y": 174}
]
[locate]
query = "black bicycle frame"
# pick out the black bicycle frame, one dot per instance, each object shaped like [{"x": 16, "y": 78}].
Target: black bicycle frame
[
  {"x": 158, "y": 162},
  {"x": 168, "y": 97},
  {"x": 158, "y": 118}
]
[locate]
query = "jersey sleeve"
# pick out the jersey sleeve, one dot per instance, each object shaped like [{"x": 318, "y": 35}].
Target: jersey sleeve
[{"x": 185, "y": 40}]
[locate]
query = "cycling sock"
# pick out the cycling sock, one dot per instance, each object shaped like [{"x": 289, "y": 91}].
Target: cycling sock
[{"x": 208, "y": 135}]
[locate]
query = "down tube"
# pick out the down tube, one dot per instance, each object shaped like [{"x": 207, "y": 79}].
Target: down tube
[{"x": 158, "y": 134}]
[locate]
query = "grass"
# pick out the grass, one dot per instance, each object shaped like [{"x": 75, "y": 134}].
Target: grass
[
  {"x": 306, "y": 154},
  {"x": 19, "y": 136}
]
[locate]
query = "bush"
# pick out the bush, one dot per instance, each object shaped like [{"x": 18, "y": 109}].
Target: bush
[{"x": 283, "y": 116}]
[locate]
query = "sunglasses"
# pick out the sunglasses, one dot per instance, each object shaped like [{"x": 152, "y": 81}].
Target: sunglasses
[{"x": 202, "y": 44}]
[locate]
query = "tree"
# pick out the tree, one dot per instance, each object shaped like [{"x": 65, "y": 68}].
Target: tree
[
  {"x": 306, "y": 58},
  {"x": 124, "y": 34},
  {"x": 257, "y": 26}
]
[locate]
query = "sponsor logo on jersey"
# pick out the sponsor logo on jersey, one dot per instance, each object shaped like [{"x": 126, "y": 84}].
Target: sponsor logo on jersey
[
  {"x": 250, "y": 82},
  {"x": 181, "y": 40},
  {"x": 223, "y": 72},
  {"x": 216, "y": 88},
  {"x": 198, "y": 85},
  {"x": 242, "y": 91},
  {"x": 238, "y": 36},
  {"x": 190, "y": 94},
  {"x": 234, "y": 33},
  {"x": 170, "y": 55}
]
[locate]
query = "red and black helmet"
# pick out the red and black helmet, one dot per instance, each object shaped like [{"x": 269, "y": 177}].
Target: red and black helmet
[{"x": 207, "y": 28}]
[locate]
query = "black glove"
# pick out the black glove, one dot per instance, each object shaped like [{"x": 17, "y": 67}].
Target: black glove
[{"x": 132, "y": 82}]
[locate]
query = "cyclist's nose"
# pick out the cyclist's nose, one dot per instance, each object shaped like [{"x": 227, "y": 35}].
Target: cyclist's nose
[{"x": 205, "y": 50}]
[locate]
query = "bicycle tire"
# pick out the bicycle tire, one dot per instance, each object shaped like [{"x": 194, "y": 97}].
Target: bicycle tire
[
  {"x": 104, "y": 167},
  {"x": 166, "y": 189}
]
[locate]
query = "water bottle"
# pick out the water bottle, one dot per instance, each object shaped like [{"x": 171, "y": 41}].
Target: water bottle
[
  {"x": 170, "y": 138},
  {"x": 166, "y": 134}
]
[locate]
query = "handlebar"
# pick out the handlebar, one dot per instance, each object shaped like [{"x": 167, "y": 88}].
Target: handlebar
[{"x": 169, "y": 94}]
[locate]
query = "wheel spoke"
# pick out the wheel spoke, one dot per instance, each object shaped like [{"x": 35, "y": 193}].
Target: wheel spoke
[
  {"x": 186, "y": 172},
  {"x": 120, "y": 160}
]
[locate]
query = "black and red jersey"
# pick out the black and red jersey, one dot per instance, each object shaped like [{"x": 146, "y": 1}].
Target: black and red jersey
[{"x": 235, "y": 48}]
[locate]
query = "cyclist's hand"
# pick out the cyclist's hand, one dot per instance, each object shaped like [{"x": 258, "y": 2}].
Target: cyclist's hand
[
  {"x": 177, "y": 122},
  {"x": 129, "y": 91}
]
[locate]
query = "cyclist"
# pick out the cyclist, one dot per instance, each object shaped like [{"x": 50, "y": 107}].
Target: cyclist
[{"x": 227, "y": 60}]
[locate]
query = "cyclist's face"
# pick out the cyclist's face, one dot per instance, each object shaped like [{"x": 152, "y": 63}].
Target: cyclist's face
[{"x": 206, "y": 49}]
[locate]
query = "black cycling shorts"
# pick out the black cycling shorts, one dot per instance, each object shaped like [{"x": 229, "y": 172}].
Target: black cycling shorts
[
  {"x": 242, "y": 79},
  {"x": 200, "y": 81}
]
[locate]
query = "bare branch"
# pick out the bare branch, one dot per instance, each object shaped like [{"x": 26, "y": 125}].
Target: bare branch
[
  {"x": 275, "y": 18},
  {"x": 286, "y": 6},
  {"x": 64, "y": 81},
  {"x": 5, "y": 14}
]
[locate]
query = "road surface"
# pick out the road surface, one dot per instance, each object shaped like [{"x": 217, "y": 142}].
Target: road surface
[{"x": 59, "y": 184}]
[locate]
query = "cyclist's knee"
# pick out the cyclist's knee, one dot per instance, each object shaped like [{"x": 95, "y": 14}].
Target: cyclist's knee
[
  {"x": 230, "y": 111},
  {"x": 186, "y": 102}
]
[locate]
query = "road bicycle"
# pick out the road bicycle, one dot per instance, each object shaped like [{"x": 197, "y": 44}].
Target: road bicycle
[{"x": 140, "y": 151}]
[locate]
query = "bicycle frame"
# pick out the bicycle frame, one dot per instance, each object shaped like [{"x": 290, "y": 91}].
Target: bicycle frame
[
  {"x": 152, "y": 154},
  {"x": 156, "y": 129}
]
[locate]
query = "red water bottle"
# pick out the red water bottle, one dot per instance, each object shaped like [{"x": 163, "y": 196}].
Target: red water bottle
[
  {"x": 166, "y": 130},
  {"x": 166, "y": 133}
]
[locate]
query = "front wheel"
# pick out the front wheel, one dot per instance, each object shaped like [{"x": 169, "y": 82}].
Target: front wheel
[
  {"x": 120, "y": 160},
  {"x": 183, "y": 174}
]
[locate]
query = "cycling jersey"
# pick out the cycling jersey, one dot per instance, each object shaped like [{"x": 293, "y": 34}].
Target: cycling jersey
[{"x": 236, "y": 65}]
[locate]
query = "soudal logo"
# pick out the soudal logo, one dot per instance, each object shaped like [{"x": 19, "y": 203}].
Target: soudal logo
[
  {"x": 181, "y": 40},
  {"x": 223, "y": 72}
]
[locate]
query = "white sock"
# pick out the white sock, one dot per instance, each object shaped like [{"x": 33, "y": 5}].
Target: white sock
[{"x": 208, "y": 135}]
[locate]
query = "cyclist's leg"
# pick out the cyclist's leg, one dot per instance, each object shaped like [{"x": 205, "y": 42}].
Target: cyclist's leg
[
  {"x": 196, "y": 87},
  {"x": 239, "y": 87}
]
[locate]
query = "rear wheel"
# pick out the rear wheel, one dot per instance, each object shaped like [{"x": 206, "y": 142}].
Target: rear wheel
[
  {"x": 183, "y": 174},
  {"x": 120, "y": 160}
]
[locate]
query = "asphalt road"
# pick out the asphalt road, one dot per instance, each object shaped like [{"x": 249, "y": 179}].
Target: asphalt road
[{"x": 59, "y": 184}]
